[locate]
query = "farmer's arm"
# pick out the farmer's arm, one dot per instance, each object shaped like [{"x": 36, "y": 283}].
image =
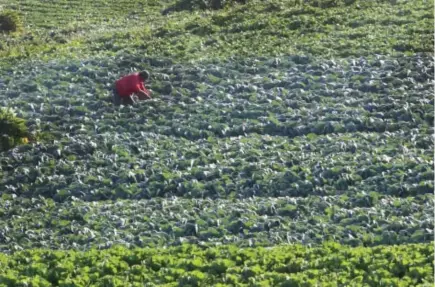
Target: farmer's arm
[{"x": 143, "y": 92}]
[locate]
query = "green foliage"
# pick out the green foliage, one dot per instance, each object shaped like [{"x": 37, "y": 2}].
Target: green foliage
[
  {"x": 13, "y": 130},
  {"x": 323, "y": 265},
  {"x": 273, "y": 122},
  {"x": 192, "y": 5},
  {"x": 328, "y": 3},
  {"x": 39, "y": 222},
  {"x": 10, "y": 21},
  {"x": 266, "y": 28},
  {"x": 211, "y": 138}
]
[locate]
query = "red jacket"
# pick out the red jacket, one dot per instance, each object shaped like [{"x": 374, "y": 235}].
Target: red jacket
[{"x": 129, "y": 85}]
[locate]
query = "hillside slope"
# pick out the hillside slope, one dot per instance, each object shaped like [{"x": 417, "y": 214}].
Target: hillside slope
[{"x": 277, "y": 128}]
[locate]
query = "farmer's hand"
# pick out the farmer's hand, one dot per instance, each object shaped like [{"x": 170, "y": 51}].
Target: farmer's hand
[
  {"x": 134, "y": 98},
  {"x": 143, "y": 96}
]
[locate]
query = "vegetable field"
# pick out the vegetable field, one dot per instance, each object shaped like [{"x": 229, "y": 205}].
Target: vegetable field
[{"x": 286, "y": 144}]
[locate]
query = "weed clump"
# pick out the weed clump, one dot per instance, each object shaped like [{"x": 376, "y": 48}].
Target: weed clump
[
  {"x": 10, "y": 22},
  {"x": 193, "y": 5},
  {"x": 13, "y": 130}
]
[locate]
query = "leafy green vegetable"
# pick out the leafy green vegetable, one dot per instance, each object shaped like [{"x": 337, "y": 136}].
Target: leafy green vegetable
[
  {"x": 188, "y": 264},
  {"x": 13, "y": 130},
  {"x": 272, "y": 122}
]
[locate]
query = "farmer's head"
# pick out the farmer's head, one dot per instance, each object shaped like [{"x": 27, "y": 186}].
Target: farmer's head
[{"x": 145, "y": 75}]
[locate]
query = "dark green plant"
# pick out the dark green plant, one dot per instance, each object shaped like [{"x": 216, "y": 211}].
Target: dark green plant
[
  {"x": 191, "y": 5},
  {"x": 13, "y": 130},
  {"x": 10, "y": 22}
]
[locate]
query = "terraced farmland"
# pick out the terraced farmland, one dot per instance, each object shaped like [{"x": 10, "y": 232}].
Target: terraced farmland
[{"x": 301, "y": 160}]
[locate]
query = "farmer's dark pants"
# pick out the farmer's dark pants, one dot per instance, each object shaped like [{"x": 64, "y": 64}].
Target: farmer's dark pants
[{"x": 117, "y": 100}]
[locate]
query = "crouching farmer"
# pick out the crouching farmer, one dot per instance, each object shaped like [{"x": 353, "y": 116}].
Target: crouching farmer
[{"x": 130, "y": 87}]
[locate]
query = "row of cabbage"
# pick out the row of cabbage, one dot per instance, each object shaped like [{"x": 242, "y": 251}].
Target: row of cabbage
[
  {"x": 328, "y": 265},
  {"x": 362, "y": 220},
  {"x": 288, "y": 126}
]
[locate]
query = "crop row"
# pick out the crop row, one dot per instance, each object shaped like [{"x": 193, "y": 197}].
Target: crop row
[
  {"x": 295, "y": 265},
  {"x": 34, "y": 11},
  {"x": 234, "y": 156},
  {"x": 258, "y": 28},
  {"x": 357, "y": 93},
  {"x": 365, "y": 219},
  {"x": 121, "y": 166},
  {"x": 254, "y": 127}
]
